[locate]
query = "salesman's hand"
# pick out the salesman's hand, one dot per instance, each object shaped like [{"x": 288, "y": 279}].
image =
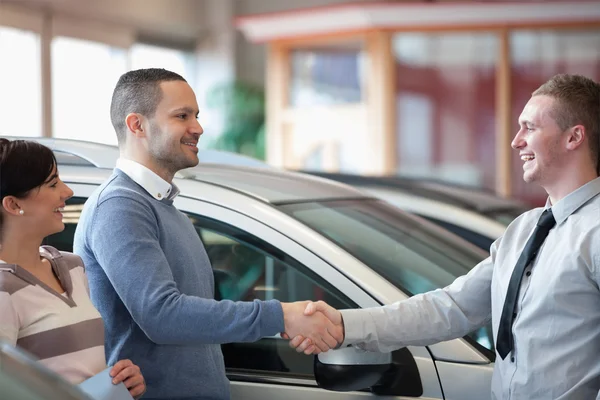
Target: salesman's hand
[
  {"x": 303, "y": 344},
  {"x": 316, "y": 327},
  {"x": 127, "y": 372}
]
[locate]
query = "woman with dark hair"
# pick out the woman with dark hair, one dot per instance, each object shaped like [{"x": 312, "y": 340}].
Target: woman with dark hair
[{"x": 45, "y": 306}]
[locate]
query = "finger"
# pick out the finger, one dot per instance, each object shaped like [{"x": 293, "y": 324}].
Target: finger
[
  {"x": 126, "y": 373},
  {"x": 330, "y": 341},
  {"x": 295, "y": 342},
  {"x": 284, "y": 335},
  {"x": 330, "y": 312},
  {"x": 311, "y": 350},
  {"x": 304, "y": 345},
  {"x": 320, "y": 343},
  {"x": 119, "y": 366},
  {"x": 310, "y": 309},
  {"x": 137, "y": 390},
  {"x": 133, "y": 381}
]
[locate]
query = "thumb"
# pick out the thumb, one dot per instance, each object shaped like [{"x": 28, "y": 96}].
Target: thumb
[
  {"x": 331, "y": 313},
  {"x": 310, "y": 309}
]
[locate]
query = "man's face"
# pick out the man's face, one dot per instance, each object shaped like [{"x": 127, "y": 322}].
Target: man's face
[
  {"x": 174, "y": 131},
  {"x": 540, "y": 141}
]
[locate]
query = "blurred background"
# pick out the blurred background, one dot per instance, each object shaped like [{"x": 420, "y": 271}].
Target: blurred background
[{"x": 422, "y": 89}]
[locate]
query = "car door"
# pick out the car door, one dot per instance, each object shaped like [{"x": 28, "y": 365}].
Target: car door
[{"x": 253, "y": 260}]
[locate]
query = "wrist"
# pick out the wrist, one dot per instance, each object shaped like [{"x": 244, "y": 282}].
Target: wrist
[
  {"x": 285, "y": 307},
  {"x": 343, "y": 332}
]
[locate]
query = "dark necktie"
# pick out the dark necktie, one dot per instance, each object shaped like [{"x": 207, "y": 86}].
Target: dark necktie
[{"x": 504, "y": 341}]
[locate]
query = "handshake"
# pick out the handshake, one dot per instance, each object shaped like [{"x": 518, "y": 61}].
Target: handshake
[{"x": 313, "y": 327}]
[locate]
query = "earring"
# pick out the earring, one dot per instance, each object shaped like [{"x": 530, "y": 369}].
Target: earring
[{"x": 21, "y": 212}]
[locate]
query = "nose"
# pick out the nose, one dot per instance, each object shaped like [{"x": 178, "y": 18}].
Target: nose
[
  {"x": 197, "y": 129},
  {"x": 519, "y": 141},
  {"x": 67, "y": 193}
]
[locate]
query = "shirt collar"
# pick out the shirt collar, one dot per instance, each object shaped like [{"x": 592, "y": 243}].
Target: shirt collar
[
  {"x": 574, "y": 200},
  {"x": 156, "y": 186}
]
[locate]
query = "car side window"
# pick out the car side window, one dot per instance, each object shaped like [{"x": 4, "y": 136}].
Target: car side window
[
  {"x": 247, "y": 268},
  {"x": 479, "y": 240}
]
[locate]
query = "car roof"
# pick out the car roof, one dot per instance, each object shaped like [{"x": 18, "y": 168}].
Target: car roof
[
  {"x": 88, "y": 160},
  {"x": 466, "y": 197},
  {"x": 274, "y": 185},
  {"x": 78, "y": 152}
]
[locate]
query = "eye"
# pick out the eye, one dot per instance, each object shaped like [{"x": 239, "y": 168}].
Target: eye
[
  {"x": 53, "y": 184},
  {"x": 182, "y": 116}
]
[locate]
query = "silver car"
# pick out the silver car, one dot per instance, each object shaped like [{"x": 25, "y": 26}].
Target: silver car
[
  {"x": 23, "y": 378},
  {"x": 280, "y": 235},
  {"x": 474, "y": 214}
]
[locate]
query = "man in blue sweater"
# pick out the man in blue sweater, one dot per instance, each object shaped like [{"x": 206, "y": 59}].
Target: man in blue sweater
[{"x": 149, "y": 274}]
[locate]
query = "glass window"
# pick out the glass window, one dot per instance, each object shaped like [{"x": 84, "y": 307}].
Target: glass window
[
  {"x": 536, "y": 56},
  {"x": 150, "y": 56},
  {"x": 20, "y": 83},
  {"x": 479, "y": 240},
  {"x": 84, "y": 74},
  {"x": 414, "y": 255},
  {"x": 247, "y": 268},
  {"x": 326, "y": 76},
  {"x": 445, "y": 105}
]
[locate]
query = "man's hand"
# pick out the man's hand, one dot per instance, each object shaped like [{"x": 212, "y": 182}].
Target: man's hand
[
  {"x": 127, "y": 372},
  {"x": 305, "y": 344},
  {"x": 319, "y": 330}
]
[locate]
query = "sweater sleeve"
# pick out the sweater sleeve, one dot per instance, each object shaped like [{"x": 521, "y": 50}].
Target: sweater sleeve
[{"x": 123, "y": 236}]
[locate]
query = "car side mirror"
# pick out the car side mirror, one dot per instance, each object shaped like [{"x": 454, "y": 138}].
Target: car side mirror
[{"x": 350, "y": 368}]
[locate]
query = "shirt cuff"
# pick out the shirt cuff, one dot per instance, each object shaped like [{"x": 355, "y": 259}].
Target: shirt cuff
[{"x": 355, "y": 328}]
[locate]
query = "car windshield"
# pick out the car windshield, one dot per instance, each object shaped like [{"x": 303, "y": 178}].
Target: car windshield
[{"x": 415, "y": 255}]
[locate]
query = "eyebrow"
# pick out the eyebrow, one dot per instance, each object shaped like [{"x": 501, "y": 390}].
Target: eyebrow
[
  {"x": 51, "y": 178},
  {"x": 526, "y": 122},
  {"x": 188, "y": 110}
]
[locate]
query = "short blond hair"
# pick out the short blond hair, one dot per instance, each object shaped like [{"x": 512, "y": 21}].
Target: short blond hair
[{"x": 578, "y": 103}]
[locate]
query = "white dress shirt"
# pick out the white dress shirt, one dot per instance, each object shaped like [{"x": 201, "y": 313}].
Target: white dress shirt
[
  {"x": 556, "y": 330},
  {"x": 156, "y": 186}
]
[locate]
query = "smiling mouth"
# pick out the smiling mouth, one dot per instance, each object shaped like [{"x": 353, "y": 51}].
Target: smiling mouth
[{"x": 527, "y": 158}]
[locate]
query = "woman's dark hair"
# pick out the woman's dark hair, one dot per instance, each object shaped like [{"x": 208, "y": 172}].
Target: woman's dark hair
[{"x": 24, "y": 165}]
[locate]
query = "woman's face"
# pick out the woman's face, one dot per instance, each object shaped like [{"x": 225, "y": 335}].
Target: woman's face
[{"x": 43, "y": 205}]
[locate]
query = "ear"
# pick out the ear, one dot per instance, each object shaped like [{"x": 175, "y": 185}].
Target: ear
[
  {"x": 11, "y": 205},
  {"x": 575, "y": 137},
  {"x": 134, "y": 123}
]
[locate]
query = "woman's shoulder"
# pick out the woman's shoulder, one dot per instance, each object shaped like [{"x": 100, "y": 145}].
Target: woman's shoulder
[{"x": 67, "y": 259}]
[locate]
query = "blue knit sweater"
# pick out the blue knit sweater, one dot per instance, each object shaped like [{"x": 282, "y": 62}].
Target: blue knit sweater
[{"x": 152, "y": 281}]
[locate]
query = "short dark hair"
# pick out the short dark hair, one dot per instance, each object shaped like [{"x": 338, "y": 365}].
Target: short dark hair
[
  {"x": 578, "y": 102},
  {"x": 138, "y": 91},
  {"x": 24, "y": 166}
]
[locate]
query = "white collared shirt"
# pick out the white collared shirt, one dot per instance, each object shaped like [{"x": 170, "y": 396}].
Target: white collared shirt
[
  {"x": 156, "y": 186},
  {"x": 556, "y": 328}
]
